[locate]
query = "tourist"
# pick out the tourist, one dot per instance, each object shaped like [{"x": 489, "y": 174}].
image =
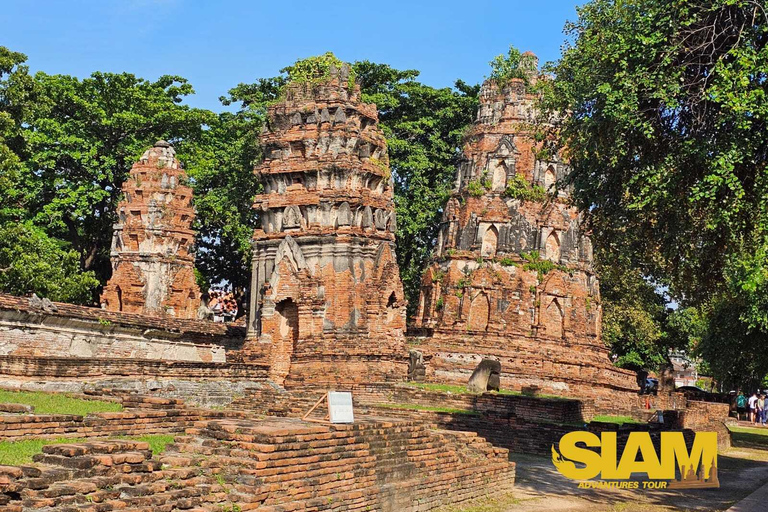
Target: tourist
[
  {"x": 761, "y": 409},
  {"x": 752, "y": 407},
  {"x": 765, "y": 409},
  {"x": 741, "y": 405}
]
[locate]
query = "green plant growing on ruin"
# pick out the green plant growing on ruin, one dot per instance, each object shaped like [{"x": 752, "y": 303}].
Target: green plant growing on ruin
[
  {"x": 439, "y": 304},
  {"x": 532, "y": 289},
  {"x": 519, "y": 188},
  {"x": 317, "y": 70},
  {"x": 381, "y": 165},
  {"x": 506, "y": 261},
  {"x": 105, "y": 322},
  {"x": 475, "y": 188},
  {"x": 512, "y": 65},
  {"x": 533, "y": 261},
  {"x": 438, "y": 276},
  {"x": 544, "y": 153}
]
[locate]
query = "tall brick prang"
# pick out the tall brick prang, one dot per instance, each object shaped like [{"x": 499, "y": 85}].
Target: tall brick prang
[
  {"x": 153, "y": 242},
  {"x": 512, "y": 277},
  {"x": 327, "y": 302}
]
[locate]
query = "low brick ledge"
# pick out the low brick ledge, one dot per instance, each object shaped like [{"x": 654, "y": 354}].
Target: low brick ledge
[
  {"x": 107, "y": 319},
  {"x": 28, "y": 366}
]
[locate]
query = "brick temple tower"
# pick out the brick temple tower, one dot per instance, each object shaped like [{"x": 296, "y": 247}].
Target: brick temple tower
[
  {"x": 153, "y": 243},
  {"x": 326, "y": 297},
  {"x": 512, "y": 276}
]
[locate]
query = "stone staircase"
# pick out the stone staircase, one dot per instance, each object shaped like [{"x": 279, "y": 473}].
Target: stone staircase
[{"x": 274, "y": 465}]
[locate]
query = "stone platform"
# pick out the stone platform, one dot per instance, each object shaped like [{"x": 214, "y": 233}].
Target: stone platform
[{"x": 266, "y": 465}]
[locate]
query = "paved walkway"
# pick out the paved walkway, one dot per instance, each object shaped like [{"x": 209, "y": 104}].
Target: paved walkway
[
  {"x": 540, "y": 487},
  {"x": 755, "y": 502}
]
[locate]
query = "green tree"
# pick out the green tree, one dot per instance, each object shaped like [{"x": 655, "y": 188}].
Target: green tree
[
  {"x": 221, "y": 165},
  {"x": 33, "y": 262},
  {"x": 734, "y": 352},
  {"x": 82, "y": 140},
  {"x": 666, "y": 131},
  {"x": 17, "y": 99},
  {"x": 424, "y": 128},
  {"x": 666, "y": 137},
  {"x": 634, "y": 315}
]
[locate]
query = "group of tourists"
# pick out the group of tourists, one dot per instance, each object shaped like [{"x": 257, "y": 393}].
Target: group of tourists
[{"x": 756, "y": 406}]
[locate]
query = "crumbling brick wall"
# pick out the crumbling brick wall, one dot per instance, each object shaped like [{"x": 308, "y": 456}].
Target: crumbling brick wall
[
  {"x": 512, "y": 276},
  {"x": 69, "y": 331},
  {"x": 153, "y": 243},
  {"x": 327, "y": 303}
]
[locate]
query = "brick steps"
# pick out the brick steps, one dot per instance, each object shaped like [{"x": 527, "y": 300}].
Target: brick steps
[{"x": 270, "y": 465}]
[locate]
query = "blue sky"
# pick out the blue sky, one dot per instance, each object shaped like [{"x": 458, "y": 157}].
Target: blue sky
[{"x": 218, "y": 44}]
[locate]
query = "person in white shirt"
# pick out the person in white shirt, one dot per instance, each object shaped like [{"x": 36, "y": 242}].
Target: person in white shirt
[{"x": 752, "y": 406}]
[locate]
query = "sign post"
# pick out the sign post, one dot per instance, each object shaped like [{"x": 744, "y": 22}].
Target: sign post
[{"x": 340, "y": 408}]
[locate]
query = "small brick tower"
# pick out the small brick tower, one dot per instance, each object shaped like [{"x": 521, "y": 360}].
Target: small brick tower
[
  {"x": 327, "y": 302},
  {"x": 512, "y": 277},
  {"x": 153, "y": 243}
]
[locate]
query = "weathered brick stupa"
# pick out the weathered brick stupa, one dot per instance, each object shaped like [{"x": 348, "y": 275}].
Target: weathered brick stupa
[
  {"x": 512, "y": 276},
  {"x": 327, "y": 302},
  {"x": 153, "y": 243}
]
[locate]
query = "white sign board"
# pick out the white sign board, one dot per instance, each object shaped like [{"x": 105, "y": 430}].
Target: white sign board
[{"x": 340, "y": 407}]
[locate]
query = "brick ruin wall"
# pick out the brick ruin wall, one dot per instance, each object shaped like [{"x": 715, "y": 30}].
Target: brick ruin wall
[
  {"x": 67, "y": 330},
  {"x": 267, "y": 465},
  {"x": 327, "y": 303},
  {"x": 486, "y": 293},
  {"x": 153, "y": 256},
  {"x": 520, "y": 423},
  {"x": 142, "y": 415},
  {"x": 64, "y": 347}
]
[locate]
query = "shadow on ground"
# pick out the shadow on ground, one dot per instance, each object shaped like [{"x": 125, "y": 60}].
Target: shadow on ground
[{"x": 741, "y": 471}]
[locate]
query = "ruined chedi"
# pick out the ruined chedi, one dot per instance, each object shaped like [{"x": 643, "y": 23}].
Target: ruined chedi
[
  {"x": 512, "y": 276},
  {"x": 153, "y": 243},
  {"x": 327, "y": 302}
]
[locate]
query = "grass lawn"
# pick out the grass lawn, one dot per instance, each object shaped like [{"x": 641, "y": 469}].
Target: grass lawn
[
  {"x": 616, "y": 419},
  {"x": 462, "y": 390},
  {"x": 56, "y": 403},
  {"x": 16, "y": 453},
  {"x": 430, "y": 408},
  {"x": 757, "y": 437}
]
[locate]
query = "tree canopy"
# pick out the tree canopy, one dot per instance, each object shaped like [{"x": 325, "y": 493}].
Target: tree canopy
[
  {"x": 68, "y": 145},
  {"x": 665, "y": 133}
]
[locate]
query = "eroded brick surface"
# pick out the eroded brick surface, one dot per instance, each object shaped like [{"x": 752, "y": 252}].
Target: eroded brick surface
[
  {"x": 268, "y": 465},
  {"x": 327, "y": 303},
  {"x": 486, "y": 295},
  {"x": 153, "y": 243}
]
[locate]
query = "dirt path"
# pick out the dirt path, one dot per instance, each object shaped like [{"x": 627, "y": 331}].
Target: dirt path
[{"x": 540, "y": 487}]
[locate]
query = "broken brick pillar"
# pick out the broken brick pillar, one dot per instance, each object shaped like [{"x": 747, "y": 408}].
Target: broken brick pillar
[
  {"x": 512, "y": 276},
  {"x": 327, "y": 303},
  {"x": 153, "y": 242}
]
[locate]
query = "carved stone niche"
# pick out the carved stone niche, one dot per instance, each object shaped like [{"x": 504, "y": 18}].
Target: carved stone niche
[
  {"x": 380, "y": 219},
  {"x": 367, "y": 220},
  {"x": 292, "y": 217},
  {"x": 344, "y": 215}
]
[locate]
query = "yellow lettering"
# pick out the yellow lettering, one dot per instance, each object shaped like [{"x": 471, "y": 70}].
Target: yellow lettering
[
  {"x": 608, "y": 455},
  {"x": 569, "y": 450},
  {"x": 639, "y": 441},
  {"x": 704, "y": 451}
]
